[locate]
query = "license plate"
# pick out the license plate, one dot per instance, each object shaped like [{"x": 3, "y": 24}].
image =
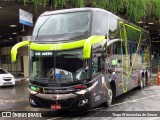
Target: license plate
[
  {"x": 7, "y": 83},
  {"x": 56, "y": 107}
]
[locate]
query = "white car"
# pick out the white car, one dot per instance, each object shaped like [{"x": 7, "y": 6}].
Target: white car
[{"x": 6, "y": 78}]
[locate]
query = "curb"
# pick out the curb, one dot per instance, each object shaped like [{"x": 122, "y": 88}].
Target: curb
[{"x": 21, "y": 79}]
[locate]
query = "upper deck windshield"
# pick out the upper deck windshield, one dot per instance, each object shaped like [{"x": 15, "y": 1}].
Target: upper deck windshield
[
  {"x": 63, "y": 26},
  {"x": 58, "y": 66}
]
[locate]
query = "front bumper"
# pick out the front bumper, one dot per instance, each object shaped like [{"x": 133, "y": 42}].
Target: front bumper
[
  {"x": 7, "y": 83},
  {"x": 76, "y": 103}
]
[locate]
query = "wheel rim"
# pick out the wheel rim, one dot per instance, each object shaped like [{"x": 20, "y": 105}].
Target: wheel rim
[
  {"x": 110, "y": 95},
  {"x": 141, "y": 84},
  {"x": 144, "y": 80}
]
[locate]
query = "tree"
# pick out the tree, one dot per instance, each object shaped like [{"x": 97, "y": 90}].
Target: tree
[{"x": 134, "y": 10}]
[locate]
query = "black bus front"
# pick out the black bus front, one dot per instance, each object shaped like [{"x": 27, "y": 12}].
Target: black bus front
[{"x": 59, "y": 79}]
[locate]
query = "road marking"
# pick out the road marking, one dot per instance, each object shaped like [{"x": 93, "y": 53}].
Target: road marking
[
  {"x": 76, "y": 113},
  {"x": 12, "y": 101},
  {"x": 114, "y": 105},
  {"x": 135, "y": 100},
  {"x": 54, "y": 118},
  {"x": 154, "y": 118}
]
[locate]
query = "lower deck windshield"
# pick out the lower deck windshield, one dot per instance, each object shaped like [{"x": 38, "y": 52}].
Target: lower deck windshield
[{"x": 58, "y": 66}]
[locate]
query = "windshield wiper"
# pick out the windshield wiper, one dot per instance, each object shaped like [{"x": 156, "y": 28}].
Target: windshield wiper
[
  {"x": 78, "y": 37},
  {"x": 35, "y": 77},
  {"x": 41, "y": 26}
]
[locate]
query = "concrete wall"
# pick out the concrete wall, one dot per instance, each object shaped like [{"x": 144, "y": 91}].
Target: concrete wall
[
  {"x": 5, "y": 61},
  {"x": 21, "y": 67},
  {"x": 25, "y": 53}
]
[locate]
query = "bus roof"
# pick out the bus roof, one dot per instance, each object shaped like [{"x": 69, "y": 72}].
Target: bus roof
[
  {"x": 74, "y": 10},
  {"x": 89, "y": 9}
]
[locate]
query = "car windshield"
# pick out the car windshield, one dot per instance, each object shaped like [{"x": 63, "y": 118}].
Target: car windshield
[
  {"x": 62, "y": 26},
  {"x": 2, "y": 71},
  {"x": 58, "y": 66}
]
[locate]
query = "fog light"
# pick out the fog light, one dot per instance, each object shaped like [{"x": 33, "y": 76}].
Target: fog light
[
  {"x": 32, "y": 102},
  {"x": 33, "y": 92},
  {"x": 83, "y": 102}
]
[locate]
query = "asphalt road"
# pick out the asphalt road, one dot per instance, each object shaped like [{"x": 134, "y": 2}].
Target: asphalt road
[{"x": 147, "y": 101}]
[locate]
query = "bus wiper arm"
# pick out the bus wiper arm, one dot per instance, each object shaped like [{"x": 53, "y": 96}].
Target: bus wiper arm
[
  {"x": 81, "y": 36},
  {"x": 41, "y": 26}
]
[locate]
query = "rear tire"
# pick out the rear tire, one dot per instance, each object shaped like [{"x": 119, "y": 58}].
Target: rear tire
[
  {"x": 109, "y": 98},
  {"x": 113, "y": 88},
  {"x": 146, "y": 78},
  {"x": 141, "y": 84},
  {"x": 144, "y": 81}
]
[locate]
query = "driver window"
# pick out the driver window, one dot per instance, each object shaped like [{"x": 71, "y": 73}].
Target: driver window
[{"x": 94, "y": 64}]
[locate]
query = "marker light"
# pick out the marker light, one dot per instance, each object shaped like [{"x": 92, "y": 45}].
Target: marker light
[{"x": 80, "y": 87}]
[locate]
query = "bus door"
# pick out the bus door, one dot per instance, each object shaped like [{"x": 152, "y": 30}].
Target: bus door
[{"x": 99, "y": 75}]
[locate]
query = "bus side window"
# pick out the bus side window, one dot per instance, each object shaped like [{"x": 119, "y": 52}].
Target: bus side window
[
  {"x": 94, "y": 64},
  {"x": 101, "y": 64},
  {"x": 113, "y": 27}
]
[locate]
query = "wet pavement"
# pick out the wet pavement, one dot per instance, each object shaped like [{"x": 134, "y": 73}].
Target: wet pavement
[{"x": 16, "y": 99}]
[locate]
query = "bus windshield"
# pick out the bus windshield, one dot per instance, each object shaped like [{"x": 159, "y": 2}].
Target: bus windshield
[
  {"x": 62, "y": 26},
  {"x": 58, "y": 66}
]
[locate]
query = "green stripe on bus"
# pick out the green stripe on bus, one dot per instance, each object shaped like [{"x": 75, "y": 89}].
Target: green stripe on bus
[
  {"x": 60, "y": 46},
  {"x": 15, "y": 47},
  {"x": 87, "y": 43}
]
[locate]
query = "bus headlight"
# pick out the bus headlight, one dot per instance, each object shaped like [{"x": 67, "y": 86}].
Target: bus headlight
[
  {"x": 33, "y": 92},
  {"x": 82, "y": 92}
]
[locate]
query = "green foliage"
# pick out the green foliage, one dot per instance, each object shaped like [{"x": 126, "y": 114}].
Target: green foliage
[
  {"x": 115, "y": 6},
  {"x": 136, "y": 9},
  {"x": 59, "y": 3},
  {"x": 99, "y": 3},
  {"x": 78, "y": 3},
  {"x": 156, "y": 9}
]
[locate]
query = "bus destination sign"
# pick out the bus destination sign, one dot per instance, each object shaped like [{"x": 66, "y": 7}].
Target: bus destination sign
[{"x": 43, "y": 53}]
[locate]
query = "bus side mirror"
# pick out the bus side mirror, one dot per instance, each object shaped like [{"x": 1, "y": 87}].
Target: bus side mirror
[{"x": 15, "y": 48}]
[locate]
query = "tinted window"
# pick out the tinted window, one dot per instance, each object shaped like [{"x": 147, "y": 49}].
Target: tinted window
[
  {"x": 113, "y": 27},
  {"x": 2, "y": 71},
  {"x": 100, "y": 23},
  {"x": 60, "y": 24}
]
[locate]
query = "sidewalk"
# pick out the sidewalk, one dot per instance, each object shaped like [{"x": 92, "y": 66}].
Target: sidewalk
[
  {"x": 21, "y": 78},
  {"x": 153, "y": 80}
]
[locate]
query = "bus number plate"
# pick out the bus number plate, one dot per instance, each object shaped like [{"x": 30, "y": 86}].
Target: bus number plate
[{"x": 55, "y": 107}]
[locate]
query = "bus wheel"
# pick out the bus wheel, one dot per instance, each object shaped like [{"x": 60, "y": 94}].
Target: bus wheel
[
  {"x": 146, "y": 78},
  {"x": 144, "y": 81},
  {"x": 141, "y": 84},
  {"x": 109, "y": 98}
]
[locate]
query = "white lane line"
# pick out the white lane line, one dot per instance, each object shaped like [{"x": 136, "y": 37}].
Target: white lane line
[
  {"x": 135, "y": 100},
  {"x": 113, "y": 105},
  {"x": 54, "y": 118},
  {"x": 155, "y": 118},
  {"x": 14, "y": 101}
]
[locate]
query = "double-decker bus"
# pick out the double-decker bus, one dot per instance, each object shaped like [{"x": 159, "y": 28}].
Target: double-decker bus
[{"x": 83, "y": 57}]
